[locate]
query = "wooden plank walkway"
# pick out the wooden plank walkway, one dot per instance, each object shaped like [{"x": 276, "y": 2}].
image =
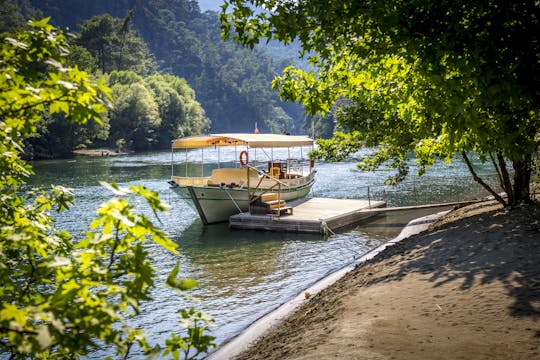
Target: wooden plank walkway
[{"x": 311, "y": 215}]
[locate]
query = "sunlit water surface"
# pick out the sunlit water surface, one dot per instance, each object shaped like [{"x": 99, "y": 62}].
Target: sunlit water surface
[{"x": 242, "y": 275}]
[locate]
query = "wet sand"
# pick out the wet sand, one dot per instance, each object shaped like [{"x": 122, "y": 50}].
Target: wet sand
[{"x": 468, "y": 288}]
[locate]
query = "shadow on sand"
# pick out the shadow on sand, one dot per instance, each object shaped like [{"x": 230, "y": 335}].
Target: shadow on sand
[{"x": 499, "y": 245}]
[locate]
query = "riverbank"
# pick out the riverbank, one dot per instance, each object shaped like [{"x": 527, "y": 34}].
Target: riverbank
[
  {"x": 467, "y": 288},
  {"x": 97, "y": 152}
]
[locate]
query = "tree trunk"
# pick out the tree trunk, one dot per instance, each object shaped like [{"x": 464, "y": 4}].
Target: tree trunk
[
  {"x": 499, "y": 174},
  {"x": 507, "y": 184},
  {"x": 522, "y": 179}
]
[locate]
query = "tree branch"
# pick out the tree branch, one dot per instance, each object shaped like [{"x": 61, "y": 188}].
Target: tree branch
[
  {"x": 31, "y": 279},
  {"x": 113, "y": 250},
  {"x": 481, "y": 182},
  {"x": 18, "y": 331},
  {"x": 32, "y": 105},
  {"x": 128, "y": 349}
]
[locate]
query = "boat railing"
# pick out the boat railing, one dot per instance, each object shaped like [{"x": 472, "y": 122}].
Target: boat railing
[
  {"x": 253, "y": 196},
  {"x": 298, "y": 166},
  {"x": 266, "y": 175}
]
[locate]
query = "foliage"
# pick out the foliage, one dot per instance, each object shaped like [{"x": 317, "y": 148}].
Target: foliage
[
  {"x": 12, "y": 17},
  {"x": 58, "y": 137},
  {"x": 34, "y": 81},
  {"x": 81, "y": 57},
  {"x": 437, "y": 79},
  {"x": 115, "y": 46},
  {"x": 323, "y": 125},
  {"x": 134, "y": 116},
  {"x": 197, "y": 324},
  {"x": 180, "y": 112},
  {"x": 232, "y": 84},
  {"x": 55, "y": 136},
  {"x": 148, "y": 112},
  {"x": 60, "y": 296}
]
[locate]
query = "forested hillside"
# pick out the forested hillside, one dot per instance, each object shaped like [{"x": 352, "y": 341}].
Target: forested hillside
[{"x": 231, "y": 83}]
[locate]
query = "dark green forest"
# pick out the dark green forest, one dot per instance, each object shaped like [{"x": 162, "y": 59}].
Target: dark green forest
[{"x": 170, "y": 71}]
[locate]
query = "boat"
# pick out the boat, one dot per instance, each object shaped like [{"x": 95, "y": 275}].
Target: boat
[{"x": 267, "y": 171}]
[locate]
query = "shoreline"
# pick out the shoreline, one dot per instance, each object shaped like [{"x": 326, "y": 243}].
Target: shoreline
[
  {"x": 97, "y": 152},
  {"x": 261, "y": 326},
  {"x": 467, "y": 288}
]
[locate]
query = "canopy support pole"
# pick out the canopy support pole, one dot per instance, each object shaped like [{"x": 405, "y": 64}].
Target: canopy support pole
[
  {"x": 302, "y": 160},
  {"x": 287, "y": 171},
  {"x": 186, "y": 164}
]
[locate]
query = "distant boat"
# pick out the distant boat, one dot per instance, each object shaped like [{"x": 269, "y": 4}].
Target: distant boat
[{"x": 231, "y": 190}]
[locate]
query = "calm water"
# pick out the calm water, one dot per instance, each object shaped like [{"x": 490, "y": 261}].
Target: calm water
[{"x": 242, "y": 274}]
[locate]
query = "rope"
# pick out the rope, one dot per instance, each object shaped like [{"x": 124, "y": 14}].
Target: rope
[
  {"x": 325, "y": 229},
  {"x": 234, "y": 202}
]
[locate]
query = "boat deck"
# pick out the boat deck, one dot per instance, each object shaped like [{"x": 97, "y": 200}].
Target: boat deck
[{"x": 311, "y": 215}]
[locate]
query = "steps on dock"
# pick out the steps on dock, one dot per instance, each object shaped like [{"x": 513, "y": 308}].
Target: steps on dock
[
  {"x": 269, "y": 197},
  {"x": 270, "y": 204},
  {"x": 274, "y": 204}
]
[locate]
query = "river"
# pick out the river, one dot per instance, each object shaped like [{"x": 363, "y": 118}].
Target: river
[{"x": 242, "y": 275}]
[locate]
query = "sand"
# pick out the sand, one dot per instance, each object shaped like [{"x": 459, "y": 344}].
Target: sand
[
  {"x": 97, "y": 152},
  {"x": 468, "y": 288}
]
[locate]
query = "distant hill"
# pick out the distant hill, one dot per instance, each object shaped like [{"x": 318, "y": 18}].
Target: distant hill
[{"x": 231, "y": 83}]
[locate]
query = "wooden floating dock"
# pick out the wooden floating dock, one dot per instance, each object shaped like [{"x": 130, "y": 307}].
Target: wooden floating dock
[{"x": 312, "y": 215}]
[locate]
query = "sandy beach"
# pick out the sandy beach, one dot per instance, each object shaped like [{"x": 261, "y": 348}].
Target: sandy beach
[
  {"x": 97, "y": 152},
  {"x": 467, "y": 288}
]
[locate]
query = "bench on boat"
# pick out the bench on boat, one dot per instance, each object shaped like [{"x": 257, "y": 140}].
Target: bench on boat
[
  {"x": 230, "y": 176},
  {"x": 190, "y": 181}
]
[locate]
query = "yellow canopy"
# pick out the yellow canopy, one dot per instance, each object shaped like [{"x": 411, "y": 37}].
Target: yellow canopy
[{"x": 250, "y": 140}]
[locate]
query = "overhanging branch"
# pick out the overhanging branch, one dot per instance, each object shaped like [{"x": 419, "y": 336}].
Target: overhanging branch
[{"x": 482, "y": 182}]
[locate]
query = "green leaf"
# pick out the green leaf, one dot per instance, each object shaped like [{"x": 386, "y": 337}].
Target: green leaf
[{"x": 179, "y": 284}]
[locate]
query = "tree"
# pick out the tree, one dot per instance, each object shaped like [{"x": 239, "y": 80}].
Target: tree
[
  {"x": 11, "y": 17},
  {"x": 115, "y": 45},
  {"x": 150, "y": 112},
  {"x": 180, "y": 113},
  {"x": 61, "y": 296},
  {"x": 134, "y": 116},
  {"x": 56, "y": 136},
  {"x": 435, "y": 78},
  {"x": 79, "y": 56},
  {"x": 187, "y": 44}
]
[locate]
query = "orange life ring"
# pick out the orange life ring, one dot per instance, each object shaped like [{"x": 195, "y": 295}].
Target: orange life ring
[{"x": 244, "y": 158}]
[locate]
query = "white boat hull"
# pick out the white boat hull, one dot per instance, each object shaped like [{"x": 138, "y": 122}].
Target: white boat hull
[{"x": 217, "y": 204}]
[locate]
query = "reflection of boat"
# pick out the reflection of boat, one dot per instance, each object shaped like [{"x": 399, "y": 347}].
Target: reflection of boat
[{"x": 231, "y": 190}]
